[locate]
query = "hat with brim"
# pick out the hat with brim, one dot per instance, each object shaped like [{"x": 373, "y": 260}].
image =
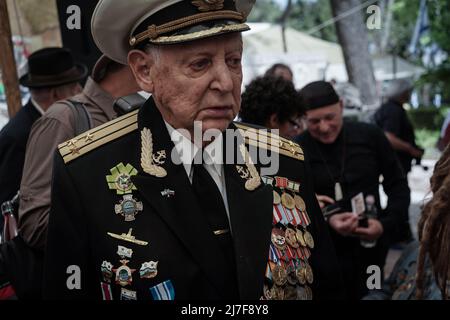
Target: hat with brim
[
  {"x": 119, "y": 26},
  {"x": 52, "y": 67},
  {"x": 100, "y": 68}
]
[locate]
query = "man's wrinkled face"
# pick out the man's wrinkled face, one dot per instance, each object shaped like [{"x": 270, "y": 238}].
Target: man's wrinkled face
[
  {"x": 199, "y": 81},
  {"x": 325, "y": 124}
]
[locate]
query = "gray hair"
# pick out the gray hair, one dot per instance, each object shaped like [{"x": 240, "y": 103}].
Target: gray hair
[{"x": 154, "y": 51}]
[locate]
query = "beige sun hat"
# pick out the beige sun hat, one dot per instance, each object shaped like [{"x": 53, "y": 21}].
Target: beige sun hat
[{"x": 121, "y": 25}]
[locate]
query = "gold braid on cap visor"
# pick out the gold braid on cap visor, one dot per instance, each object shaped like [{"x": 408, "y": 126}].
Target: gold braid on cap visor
[{"x": 154, "y": 31}]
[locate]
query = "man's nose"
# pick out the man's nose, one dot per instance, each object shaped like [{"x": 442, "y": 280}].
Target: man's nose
[
  {"x": 223, "y": 80},
  {"x": 323, "y": 126}
]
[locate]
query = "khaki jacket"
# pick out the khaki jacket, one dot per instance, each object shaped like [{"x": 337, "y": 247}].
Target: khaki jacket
[{"x": 54, "y": 127}]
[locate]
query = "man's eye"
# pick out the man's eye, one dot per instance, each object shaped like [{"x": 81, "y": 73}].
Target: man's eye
[
  {"x": 200, "y": 64},
  {"x": 234, "y": 62}
]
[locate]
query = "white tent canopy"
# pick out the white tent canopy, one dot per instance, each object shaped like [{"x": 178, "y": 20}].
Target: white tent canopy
[{"x": 310, "y": 58}]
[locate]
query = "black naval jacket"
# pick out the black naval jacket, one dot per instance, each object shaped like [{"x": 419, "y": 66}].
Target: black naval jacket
[{"x": 178, "y": 236}]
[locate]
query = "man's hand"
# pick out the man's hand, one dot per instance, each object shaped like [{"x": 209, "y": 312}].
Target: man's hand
[
  {"x": 372, "y": 232},
  {"x": 324, "y": 200},
  {"x": 344, "y": 223}
]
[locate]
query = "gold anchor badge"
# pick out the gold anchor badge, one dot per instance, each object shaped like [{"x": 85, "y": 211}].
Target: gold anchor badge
[
  {"x": 250, "y": 174},
  {"x": 150, "y": 162}
]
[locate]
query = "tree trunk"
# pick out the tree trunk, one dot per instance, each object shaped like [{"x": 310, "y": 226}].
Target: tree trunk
[
  {"x": 8, "y": 63},
  {"x": 385, "y": 35},
  {"x": 352, "y": 35},
  {"x": 283, "y": 19}
]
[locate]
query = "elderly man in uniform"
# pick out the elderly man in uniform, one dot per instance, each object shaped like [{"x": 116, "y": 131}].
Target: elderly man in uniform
[
  {"x": 347, "y": 160},
  {"x": 140, "y": 210}
]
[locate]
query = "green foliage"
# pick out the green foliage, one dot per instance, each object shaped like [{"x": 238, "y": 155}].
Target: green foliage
[
  {"x": 265, "y": 11},
  {"x": 306, "y": 15},
  {"x": 427, "y": 139},
  {"x": 404, "y": 16},
  {"x": 428, "y": 118},
  {"x": 427, "y": 124},
  {"x": 439, "y": 13}
]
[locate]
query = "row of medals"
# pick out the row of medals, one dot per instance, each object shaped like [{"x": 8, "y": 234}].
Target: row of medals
[
  {"x": 289, "y": 274},
  {"x": 128, "y": 208}
]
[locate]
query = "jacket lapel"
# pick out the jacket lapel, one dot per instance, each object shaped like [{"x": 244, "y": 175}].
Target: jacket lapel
[
  {"x": 251, "y": 223},
  {"x": 181, "y": 211}
]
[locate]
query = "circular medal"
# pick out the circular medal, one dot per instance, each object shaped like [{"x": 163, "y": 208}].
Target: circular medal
[
  {"x": 301, "y": 293},
  {"x": 123, "y": 183},
  {"x": 124, "y": 274},
  {"x": 291, "y": 237},
  {"x": 290, "y": 293},
  {"x": 309, "y": 273},
  {"x": 299, "y": 203},
  {"x": 300, "y": 274},
  {"x": 308, "y": 239},
  {"x": 309, "y": 293},
  {"x": 277, "y": 293},
  {"x": 279, "y": 276},
  {"x": 278, "y": 238},
  {"x": 276, "y": 198},
  {"x": 287, "y": 201},
  {"x": 291, "y": 276},
  {"x": 299, "y": 237}
]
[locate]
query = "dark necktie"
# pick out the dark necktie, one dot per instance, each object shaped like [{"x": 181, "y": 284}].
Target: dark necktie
[{"x": 213, "y": 209}]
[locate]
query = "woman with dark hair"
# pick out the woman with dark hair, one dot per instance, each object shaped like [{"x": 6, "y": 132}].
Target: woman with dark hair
[
  {"x": 280, "y": 70},
  {"x": 422, "y": 272},
  {"x": 434, "y": 231},
  {"x": 274, "y": 103}
]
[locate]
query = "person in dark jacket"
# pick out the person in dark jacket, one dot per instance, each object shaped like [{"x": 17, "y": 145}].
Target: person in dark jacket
[
  {"x": 52, "y": 76},
  {"x": 392, "y": 118},
  {"x": 347, "y": 160}
]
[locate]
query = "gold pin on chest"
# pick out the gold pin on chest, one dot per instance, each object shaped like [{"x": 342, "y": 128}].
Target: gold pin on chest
[{"x": 128, "y": 237}]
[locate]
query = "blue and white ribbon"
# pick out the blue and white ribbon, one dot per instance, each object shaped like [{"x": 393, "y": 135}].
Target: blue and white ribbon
[{"x": 163, "y": 291}]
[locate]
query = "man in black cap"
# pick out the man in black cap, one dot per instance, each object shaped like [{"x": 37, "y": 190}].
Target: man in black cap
[
  {"x": 52, "y": 76},
  {"x": 166, "y": 203},
  {"x": 347, "y": 160}
]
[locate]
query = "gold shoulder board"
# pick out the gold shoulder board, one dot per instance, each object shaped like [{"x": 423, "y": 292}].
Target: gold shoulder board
[
  {"x": 263, "y": 138},
  {"x": 96, "y": 137}
]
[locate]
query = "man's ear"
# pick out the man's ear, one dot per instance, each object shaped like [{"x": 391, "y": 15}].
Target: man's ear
[
  {"x": 273, "y": 122},
  {"x": 341, "y": 105},
  {"x": 141, "y": 64}
]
